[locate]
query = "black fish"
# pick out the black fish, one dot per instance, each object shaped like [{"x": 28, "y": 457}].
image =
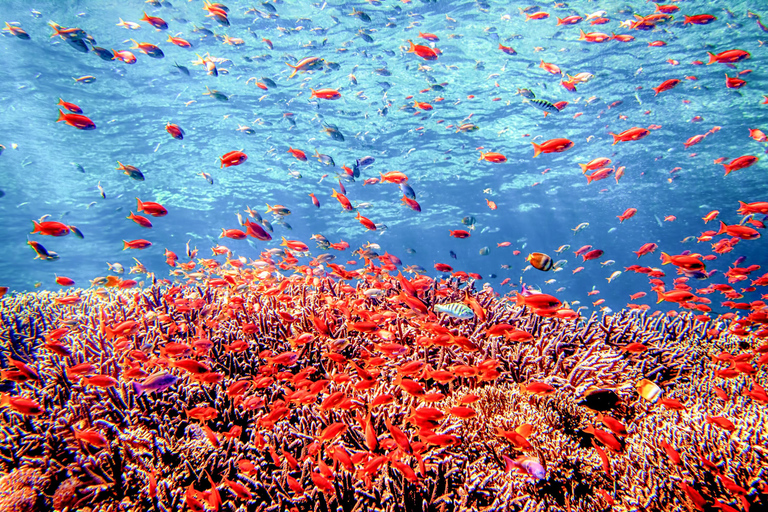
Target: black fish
[
  {"x": 600, "y": 400},
  {"x": 78, "y": 44},
  {"x": 453, "y": 255},
  {"x": 183, "y": 69},
  {"x": 103, "y": 53}
]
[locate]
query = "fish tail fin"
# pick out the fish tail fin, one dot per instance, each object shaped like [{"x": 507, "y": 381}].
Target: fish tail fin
[
  {"x": 125, "y": 244},
  {"x": 665, "y": 258},
  {"x": 482, "y": 155},
  {"x": 519, "y": 299},
  {"x": 37, "y": 227},
  {"x": 313, "y": 95},
  {"x": 223, "y": 233},
  {"x": 616, "y": 138},
  {"x": 687, "y": 20},
  {"x": 137, "y": 389},
  {"x": 61, "y": 117},
  {"x": 728, "y": 169},
  {"x": 657, "y": 90},
  {"x": 583, "y": 168},
  {"x": 559, "y": 20},
  {"x": 722, "y": 229},
  {"x": 712, "y": 58},
  {"x": 285, "y": 242},
  {"x": 582, "y": 35},
  {"x": 536, "y": 149},
  {"x": 139, "y": 205},
  {"x": 5, "y": 399},
  {"x": 145, "y": 18},
  {"x": 659, "y": 296},
  {"x": 411, "y": 47}
]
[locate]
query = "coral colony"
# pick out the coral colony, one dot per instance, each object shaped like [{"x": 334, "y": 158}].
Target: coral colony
[{"x": 248, "y": 392}]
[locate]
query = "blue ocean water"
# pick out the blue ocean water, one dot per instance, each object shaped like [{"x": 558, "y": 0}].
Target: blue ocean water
[{"x": 539, "y": 200}]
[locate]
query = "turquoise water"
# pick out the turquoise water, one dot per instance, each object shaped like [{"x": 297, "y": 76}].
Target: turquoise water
[{"x": 131, "y": 104}]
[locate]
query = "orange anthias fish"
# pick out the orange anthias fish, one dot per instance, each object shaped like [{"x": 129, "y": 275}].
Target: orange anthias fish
[
  {"x": 492, "y": 157},
  {"x": 325, "y": 94},
  {"x": 635, "y": 133},
  {"x": 425, "y": 52},
  {"x": 79, "y": 121},
  {"x": 551, "y": 146}
]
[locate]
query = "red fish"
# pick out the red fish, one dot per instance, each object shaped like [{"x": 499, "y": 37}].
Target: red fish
[
  {"x": 368, "y": 223},
  {"x": 540, "y": 15},
  {"x": 496, "y": 158},
  {"x": 136, "y": 244},
  {"x": 739, "y": 163},
  {"x": 594, "y": 164},
  {"x": 550, "y": 68},
  {"x": 70, "y": 106},
  {"x": 233, "y": 158},
  {"x": 507, "y": 49},
  {"x": 733, "y": 82},
  {"x": 666, "y": 85},
  {"x": 634, "y": 133},
  {"x": 592, "y": 255},
  {"x": 460, "y": 233},
  {"x": 175, "y": 131},
  {"x": 64, "y": 281},
  {"x": 743, "y": 232},
  {"x": 50, "y": 228},
  {"x": 747, "y": 208},
  {"x": 425, "y": 52},
  {"x": 295, "y": 245},
  {"x": 181, "y": 43},
  {"x": 570, "y": 20},
  {"x": 325, "y": 94},
  {"x": 593, "y": 37},
  {"x": 551, "y": 146},
  {"x": 141, "y": 221},
  {"x": 150, "y": 208},
  {"x": 728, "y": 56},
  {"x": 599, "y": 174},
  {"x": 629, "y": 212},
  {"x": 235, "y": 234},
  {"x": 646, "y": 249},
  {"x": 699, "y": 19},
  {"x": 299, "y": 154},
  {"x": 155, "y": 21},
  {"x": 21, "y": 405},
  {"x": 80, "y": 122}
]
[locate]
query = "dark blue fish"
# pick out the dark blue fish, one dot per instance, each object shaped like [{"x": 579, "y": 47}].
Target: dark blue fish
[
  {"x": 407, "y": 191},
  {"x": 103, "y": 53},
  {"x": 154, "y": 383},
  {"x": 453, "y": 255},
  {"x": 365, "y": 161},
  {"x": 183, "y": 69},
  {"x": 76, "y": 232}
]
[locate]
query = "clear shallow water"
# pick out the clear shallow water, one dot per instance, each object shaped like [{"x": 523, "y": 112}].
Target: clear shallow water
[{"x": 131, "y": 105}]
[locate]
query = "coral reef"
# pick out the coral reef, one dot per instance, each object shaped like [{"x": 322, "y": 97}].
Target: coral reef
[{"x": 306, "y": 393}]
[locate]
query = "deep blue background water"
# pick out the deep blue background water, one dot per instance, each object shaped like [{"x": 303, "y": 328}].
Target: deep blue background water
[{"x": 131, "y": 105}]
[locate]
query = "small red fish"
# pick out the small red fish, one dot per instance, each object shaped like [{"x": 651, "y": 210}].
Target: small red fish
[
  {"x": 70, "y": 106},
  {"x": 233, "y": 158},
  {"x": 79, "y": 121},
  {"x": 175, "y": 131}
]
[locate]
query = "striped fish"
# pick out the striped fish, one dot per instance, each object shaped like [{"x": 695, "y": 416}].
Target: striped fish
[
  {"x": 546, "y": 106},
  {"x": 455, "y": 310}
]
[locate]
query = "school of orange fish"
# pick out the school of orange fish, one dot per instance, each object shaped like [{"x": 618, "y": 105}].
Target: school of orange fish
[{"x": 289, "y": 382}]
